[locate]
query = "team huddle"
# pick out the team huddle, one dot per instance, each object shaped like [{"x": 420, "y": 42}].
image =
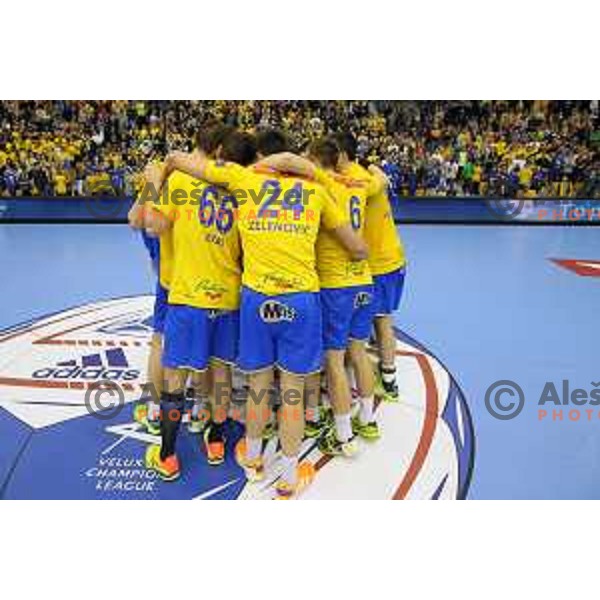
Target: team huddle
[{"x": 284, "y": 265}]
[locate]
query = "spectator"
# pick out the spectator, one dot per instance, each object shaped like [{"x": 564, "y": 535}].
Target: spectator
[{"x": 435, "y": 148}]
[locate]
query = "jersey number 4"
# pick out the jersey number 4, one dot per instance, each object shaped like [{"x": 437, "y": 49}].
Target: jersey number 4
[{"x": 292, "y": 198}]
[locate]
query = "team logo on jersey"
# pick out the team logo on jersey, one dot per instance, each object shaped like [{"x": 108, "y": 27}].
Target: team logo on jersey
[
  {"x": 52, "y": 447},
  {"x": 362, "y": 299},
  {"x": 273, "y": 311},
  {"x": 214, "y": 313}
]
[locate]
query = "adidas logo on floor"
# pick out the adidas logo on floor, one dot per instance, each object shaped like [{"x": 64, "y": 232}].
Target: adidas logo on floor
[{"x": 111, "y": 364}]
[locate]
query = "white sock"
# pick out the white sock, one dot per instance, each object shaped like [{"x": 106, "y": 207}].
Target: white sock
[
  {"x": 388, "y": 374},
  {"x": 366, "y": 410},
  {"x": 253, "y": 447},
  {"x": 153, "y": 410},
  {"x": 343, "y": 427},
  {"x": 200, "y": 403},
  {"x": 290, "y": 469},
  {"x": 196, "y": 408}
]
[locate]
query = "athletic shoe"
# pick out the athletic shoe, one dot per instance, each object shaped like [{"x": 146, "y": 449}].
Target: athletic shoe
[
  {"x": 388, "y": 390},
  {"x": 214, "y": 444},
  {"x": 269, "y": 431},
  {"x": 168, "y": 469},
  {"x": 254, "y": 469},
  {"x": 153, "y": 426},
  {"x": 367, "y": 431},
  {"x": 286, "y": 491},
  {"x": 313, "y": 429},
  {"x": 140, "y": 415},
  {"x": 331, "y": 446}
]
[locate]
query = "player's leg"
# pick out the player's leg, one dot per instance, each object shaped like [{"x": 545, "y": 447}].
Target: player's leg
[
  {"x": 364, "y": 423},
  {"x": 386, "y": 347},
  {"x": 337, "y": 315},
  {"x": 248, "y": 451},
  {"x": 199, "y": 385},
  {"x": 220, "y": 400},
  {"x": 315, "y": 416},
  {"x": 163, "y": 459},
  {"x": 185, "y": 349},
  {"x": 155, "y": 372},
  {"x": 224, "y": 338},
  {"x": 256, "y": 357},
  {"x": 387, "y": 295},
  {"x": 299, "y": 355},
  {"x": 295, "y": 476},
  {"x": 340, "y": 440},
  {"x": 147, "y": 411}
]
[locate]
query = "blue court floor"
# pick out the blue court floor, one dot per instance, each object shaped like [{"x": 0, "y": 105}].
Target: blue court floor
[{"x": 487, "y": 301}]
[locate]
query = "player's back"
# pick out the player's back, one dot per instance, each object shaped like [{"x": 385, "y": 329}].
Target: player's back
[
  {"x": 334, "y": 265},
  {"x": 279, "y": 217},
  {"x": 206, "y": 270},
  {"x": 386, "y": 252}
]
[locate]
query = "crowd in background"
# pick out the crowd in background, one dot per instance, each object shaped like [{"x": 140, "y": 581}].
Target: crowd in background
[{"x": 429, "y": 148}]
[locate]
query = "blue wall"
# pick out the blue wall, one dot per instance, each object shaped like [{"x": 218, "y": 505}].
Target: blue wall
[{"x": 406, "y": 210}]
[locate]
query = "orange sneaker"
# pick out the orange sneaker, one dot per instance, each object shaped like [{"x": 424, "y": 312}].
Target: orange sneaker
[
  {"x": 214, "y": 444},
  {"x": 168, "y": 469},
  {"x": 255, "y": 468},
  {"x": 287, "y": 491}
]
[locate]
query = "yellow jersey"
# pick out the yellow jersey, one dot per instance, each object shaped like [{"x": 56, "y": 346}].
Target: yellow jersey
[
  {"x": 279, "y": 217},
  {"x": 386, "y": 252},
  {"x": 206, "y": 261},
  {"x": 335, "y": 267},
  {"x": 166, "y": 259}
]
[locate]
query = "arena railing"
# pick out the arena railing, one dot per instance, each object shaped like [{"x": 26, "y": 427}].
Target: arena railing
[
  {"x": 495, "y": 211},
  {"x": 425, "y": 210}
]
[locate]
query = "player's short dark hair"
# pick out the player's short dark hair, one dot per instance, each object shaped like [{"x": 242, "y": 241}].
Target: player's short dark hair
[
  {"x": 272, "y": 141},
  {"x": 239, "y": 147},
  {"x": 211, "y": 136},
  {"x": 326, "y": 151},
  {"x": 347, "y": 143}
]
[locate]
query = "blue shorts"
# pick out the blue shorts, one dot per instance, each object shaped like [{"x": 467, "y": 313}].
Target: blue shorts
[
  {"x": 160, "y": 308},
  {"x": 388, "y": 292},
  {"x": 347, "y": 315},
  {"x": 282, "y": 331},
  {"x": 153, "y": 247},
  {"x": 195, "y": 335}
]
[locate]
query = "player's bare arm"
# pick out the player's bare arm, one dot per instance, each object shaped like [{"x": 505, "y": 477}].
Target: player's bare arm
[
  {"x": 193, "y": 164},
  {"x": 153, "y": 221},
  {"x": 156, "y": 223},
  {"x": 379, "y": 176},
  {"x": 352, "y": 242},
  {"x": 135, "y": 216},
  {"x": 287, "y": 162}
]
